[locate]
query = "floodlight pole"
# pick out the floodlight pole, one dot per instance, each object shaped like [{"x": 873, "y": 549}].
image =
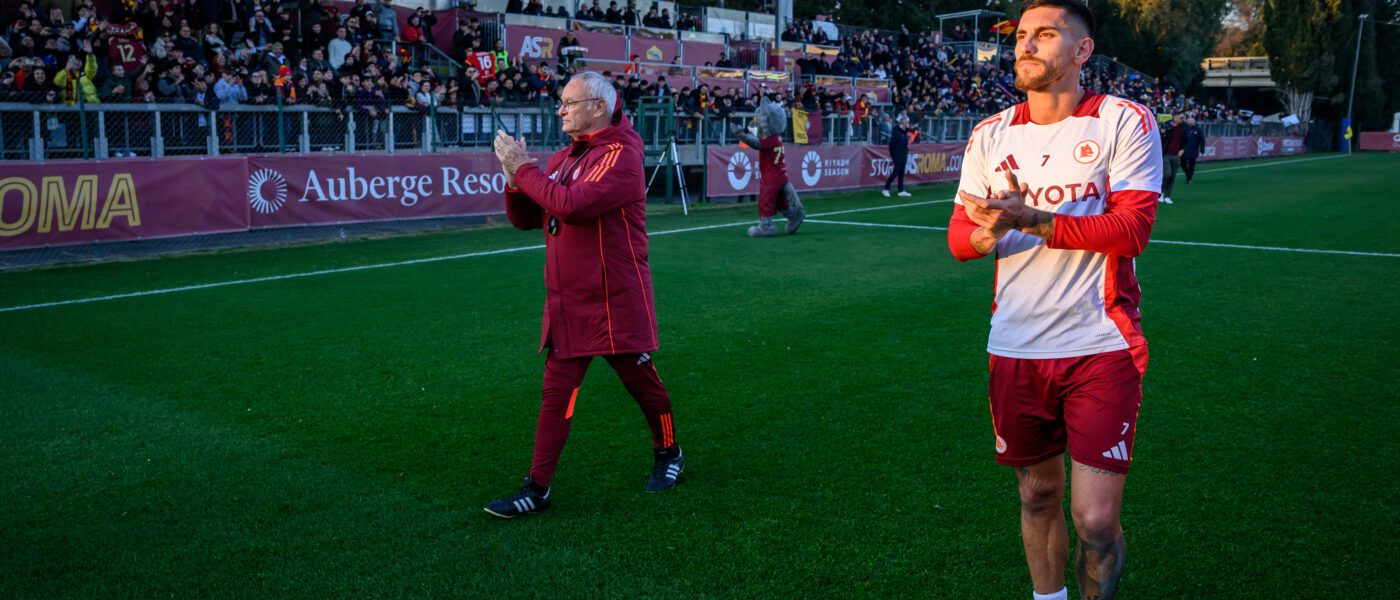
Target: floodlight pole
[
  {"x": 1351, "y": 96},
  {"x": 1360, "y": 31}
]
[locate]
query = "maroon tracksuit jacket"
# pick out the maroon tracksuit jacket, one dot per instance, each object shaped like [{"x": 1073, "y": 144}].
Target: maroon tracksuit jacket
[{"x": 591, "y": 201}]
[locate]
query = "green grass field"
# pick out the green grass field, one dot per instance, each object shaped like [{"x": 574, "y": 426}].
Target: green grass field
[{"x": 336, "y": 435}]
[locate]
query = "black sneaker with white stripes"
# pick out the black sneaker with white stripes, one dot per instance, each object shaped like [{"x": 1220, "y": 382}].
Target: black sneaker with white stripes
[
  {"x": 523, "y": 502},
  {"x": 666, "y": 470}
]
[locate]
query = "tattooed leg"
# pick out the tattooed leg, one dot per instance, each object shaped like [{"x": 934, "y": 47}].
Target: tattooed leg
[
  {"x": 1043, "y": 532},
  {"x": 1096, "y": 497},
  {"x": 1098, "y": 567}
]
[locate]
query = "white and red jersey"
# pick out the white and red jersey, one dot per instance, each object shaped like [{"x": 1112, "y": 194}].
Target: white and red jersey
[{"x": 1100, "y": 172}]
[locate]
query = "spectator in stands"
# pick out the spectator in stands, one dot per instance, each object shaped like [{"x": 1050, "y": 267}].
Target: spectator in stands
[
  {"x": 260, "y": 30},
  {"x": 388, "y": 20},
  {"x": 428, "y": 21},
  {"x": 413, "y": 30},
  {"x": 212, "y": 41},
  {"x": 318, "y": 61},
  {"x": 534, "y": 8},
  {"x": 202, "y": 96},
  {"x": 75, "y": 81},
  {"x": 354, "y": 32},
  {"x": 515, "y": 7},
  {"x": 500, "y": 53},
  {"x": 188, "y": 44},
  {"x": 631, "y": 17},
  {"x": 664, "y": 21},
  {"x": 689, "y": 22},
  {"x": 470, "y": 92},
  {"x": 274, "y": 59},
  {"x": 614, "y": 15},
  {"x": 260, "y": 91},
  {"x": 370, "y": 100},
  {"x": 462, "y": 39},
  {"x": 172, "y": 86},
  {"x": 116, "y": 85},
  {"x": 512, "y": 93},
  {"x": 230, "y": 89},
  {"x": 318, "y": 93},
  {"x": 339, "y": 48},
  {"x": 652, "y": 18},
  {"x": 594, "y": 12}
]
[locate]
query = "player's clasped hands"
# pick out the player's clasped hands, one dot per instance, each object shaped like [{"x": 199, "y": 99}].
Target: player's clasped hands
[
  {"x": 512, "y": 153},
  {"x": 1001, "y": 211}
]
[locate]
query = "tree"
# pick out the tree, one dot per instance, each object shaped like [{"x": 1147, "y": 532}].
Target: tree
[
  {"x": 1167, "y": 39},
  {"x": 1243, "y": 31},
  {"x": 1312, "y": 50}
]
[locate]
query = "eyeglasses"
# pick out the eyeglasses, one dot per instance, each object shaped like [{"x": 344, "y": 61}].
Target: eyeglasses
[{"x": 566, "y": 105}]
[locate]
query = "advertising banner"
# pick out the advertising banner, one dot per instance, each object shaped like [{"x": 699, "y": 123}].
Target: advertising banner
[
  {"x": 316, "y": 190},
  {"x": 1380, "y": 140},
  {"x": 1229, "y": 148},
  {"x": 534, "y": 44},
  {"x": 698, "y": 53},
  {"x": 655, "y": 50},
  {"x": 731, "y": 171},
  {"x": 928, "y": 163},
  {"x": 602, "y": 46},
  {"x": 79, "y": 202}
]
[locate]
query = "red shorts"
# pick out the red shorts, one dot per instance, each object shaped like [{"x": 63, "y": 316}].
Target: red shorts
[{"x": 1088, "y": 402}]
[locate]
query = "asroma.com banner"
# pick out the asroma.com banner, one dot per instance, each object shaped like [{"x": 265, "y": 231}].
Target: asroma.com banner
[
  {"x": 732, "y": 171},
  {"x": 80, "y": 202},
  {"x": 318, "y": 190}
]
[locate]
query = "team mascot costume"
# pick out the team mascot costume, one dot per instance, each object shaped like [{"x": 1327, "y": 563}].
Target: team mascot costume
[{"x": 775, "y": 193}]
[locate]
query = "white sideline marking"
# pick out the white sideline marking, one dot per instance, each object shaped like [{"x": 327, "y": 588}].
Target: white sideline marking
[
  {"x": 417, "y": 261},
  {"x": 1174, "y": 242},
  {"x": 1282, "y": 162},
  {"x": 889, "y": 225},
  {"x": 402, "y": 263},
  {"x": 1277, "y": 248}
]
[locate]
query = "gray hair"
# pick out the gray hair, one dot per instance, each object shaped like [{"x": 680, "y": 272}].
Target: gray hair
[{"x": 598, "y": 87}]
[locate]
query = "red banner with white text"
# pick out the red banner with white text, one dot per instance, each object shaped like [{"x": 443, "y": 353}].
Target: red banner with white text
[{"x": 79, "y": 202}]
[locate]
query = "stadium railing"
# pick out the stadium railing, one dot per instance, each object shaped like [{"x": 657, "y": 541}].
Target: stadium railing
[{"x": 39, "y": 132}]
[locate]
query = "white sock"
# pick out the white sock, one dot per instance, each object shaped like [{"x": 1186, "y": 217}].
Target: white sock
[{"x": 1063, "y": 594}]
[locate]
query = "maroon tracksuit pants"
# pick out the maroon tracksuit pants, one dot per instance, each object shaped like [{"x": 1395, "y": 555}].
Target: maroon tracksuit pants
[{"x": 562, "y": 378}]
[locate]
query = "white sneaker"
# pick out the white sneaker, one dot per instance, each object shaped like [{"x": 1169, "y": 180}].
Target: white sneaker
[
  {"x": 1166, "y": 200},
  {"x": 905, "y": 194},
  {"x": 885, "y": 193}
]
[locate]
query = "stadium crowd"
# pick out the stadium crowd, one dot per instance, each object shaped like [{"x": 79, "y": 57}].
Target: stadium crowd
[{"x": 219, "y": 53}]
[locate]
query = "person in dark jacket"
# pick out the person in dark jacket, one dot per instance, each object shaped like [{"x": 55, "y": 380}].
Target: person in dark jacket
[
  {"x": 590, "y": 200},
  {"x": 899, "y": 155},
  {"x": 1173, "y": 148},
  {"x": 1194, "y": 145}
]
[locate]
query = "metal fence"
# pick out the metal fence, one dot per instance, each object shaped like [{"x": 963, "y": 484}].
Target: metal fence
[
  {"x": 1234, "y": 129},
  {"x": 48, "y": 132},
  {"x": 51, "y": 132}
]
